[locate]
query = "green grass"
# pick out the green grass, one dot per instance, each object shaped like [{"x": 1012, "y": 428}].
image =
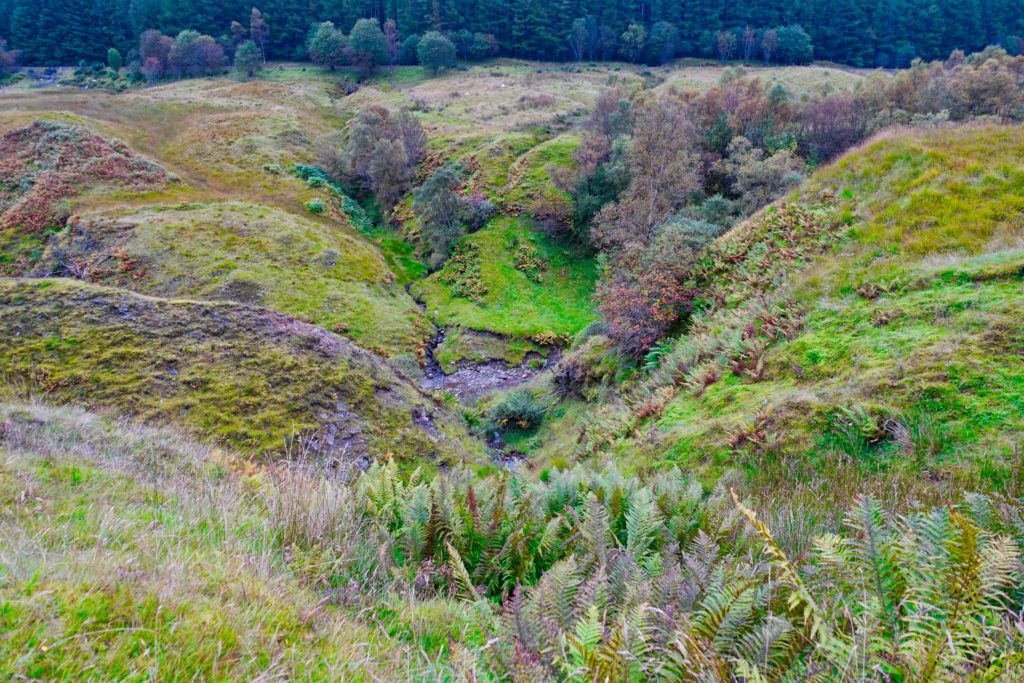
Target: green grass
[
  {"x": 530, "y": 177},
  {"x": 557, "y": 305},
  {"x": 243, "y": 376},
  {"x": 913, "y": 317},
  {"x": 310, "y": 268},
  {"x": 140, "y": 555},
  {"x": 900, "y": 296}
]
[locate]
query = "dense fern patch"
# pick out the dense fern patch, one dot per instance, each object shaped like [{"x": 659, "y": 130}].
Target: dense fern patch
[{"x": 580, "y": 575}]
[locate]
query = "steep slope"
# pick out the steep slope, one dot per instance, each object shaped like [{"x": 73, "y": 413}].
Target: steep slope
[
  {"x": 870, "y": 323},
  {"x": 129, "y": 550},
  {"x": 246, "y": 376}
]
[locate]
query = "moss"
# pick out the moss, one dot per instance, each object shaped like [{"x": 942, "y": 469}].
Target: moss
[
  {"x": 468, "y": 346},
  {"x": 248, "y": 377},
  {"x": 556, "y": 305}
]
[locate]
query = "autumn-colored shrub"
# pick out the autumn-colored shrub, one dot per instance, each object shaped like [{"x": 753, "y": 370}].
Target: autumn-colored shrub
[{"x": 47, "y": 162}]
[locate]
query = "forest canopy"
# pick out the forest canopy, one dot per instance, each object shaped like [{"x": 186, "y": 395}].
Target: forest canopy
[{"x": 869, "y": 33}]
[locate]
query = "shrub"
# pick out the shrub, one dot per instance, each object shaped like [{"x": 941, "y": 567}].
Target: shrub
[
  {"x": 569, "y": 377},
  {"x": 248, "y": 59},
  {"x": 195, "y": 54},
  {"x": 793, "y": 45},
  {"x": 379, "y": 153},
  {"x": 520, "y": 409},
  {"x": 316, "y": 205},
  {"x": 441, "y": 210},
  {"x": 367, "y": 46},
  {"x": 408, "y": 53}
]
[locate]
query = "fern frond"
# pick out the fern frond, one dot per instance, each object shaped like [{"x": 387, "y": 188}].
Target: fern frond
[
  {"x": 461, "y": 575},
  {"x": 799, "y": 601}
]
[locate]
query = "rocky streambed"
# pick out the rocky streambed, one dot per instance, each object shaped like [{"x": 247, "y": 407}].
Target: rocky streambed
[{"x": 470, "y": 381}]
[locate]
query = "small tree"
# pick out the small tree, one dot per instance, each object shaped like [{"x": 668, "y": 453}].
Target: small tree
[
  {"x": 578, "y": 38},
  {"x": 747, "y": 42},
  {"x": 195, "y": 54},
  {"x": 463, "y": 40},
  {"x": 794, "y": 45},
  {"x": 662, "y": 43},
  {"x": 258, "y": 32},
  {"x": 633, "y": 40},
  {"x": 248, "y": 59},
  {"x": 392, "y": 42},
  {"x": 155, "y": 46},
  {"x": 408, "y": 53},
  {"x": 152, "y": 70},
  {"x": 435, "y": 52},
  {"x": 8, "y": 58},
  {"x": 641, "y": 293},
  {"x": 769, "y": 43},
  {"x": 238, "y": 35},
  {"x": 390, "y": 173},
  {"x": 484, "y": 45},
  {"x": 726, "y": 43},
  {"x": 114, "y": 60},
  {"x": 325, "y": 45},
  {"x": 367, "y": 46},
  {"x": 441, "y": 211},
  {"x": 379, "y": 154}
]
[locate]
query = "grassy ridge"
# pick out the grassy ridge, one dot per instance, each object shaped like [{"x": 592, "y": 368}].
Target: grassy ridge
[
  {"x": 244, "y": 376},
  {"x": 308, "y": 268}
]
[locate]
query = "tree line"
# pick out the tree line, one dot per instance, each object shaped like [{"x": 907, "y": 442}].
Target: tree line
[{"x": 884, "y": 33}]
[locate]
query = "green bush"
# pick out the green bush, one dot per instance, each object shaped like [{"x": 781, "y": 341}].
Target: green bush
[
  {"x": 316, "y": 205},
  {"x": 521, "y": 409}
]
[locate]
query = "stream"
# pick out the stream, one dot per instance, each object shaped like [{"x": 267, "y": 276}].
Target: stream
[{"x": 472, "y": 381}]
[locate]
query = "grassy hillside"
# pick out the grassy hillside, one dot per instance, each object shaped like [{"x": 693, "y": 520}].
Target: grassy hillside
[
  {"x": 309, "y": 268},
  {"x": 867, "y": 325},
  {"x": 129, "y": 553},
  {"x": 245, "y": 376}
]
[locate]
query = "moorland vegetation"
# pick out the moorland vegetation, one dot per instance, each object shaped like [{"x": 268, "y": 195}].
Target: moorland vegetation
[{"x": 763, "y": 325}]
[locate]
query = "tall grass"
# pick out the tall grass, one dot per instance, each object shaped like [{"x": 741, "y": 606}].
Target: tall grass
[{"x": 131, "y": 553}]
